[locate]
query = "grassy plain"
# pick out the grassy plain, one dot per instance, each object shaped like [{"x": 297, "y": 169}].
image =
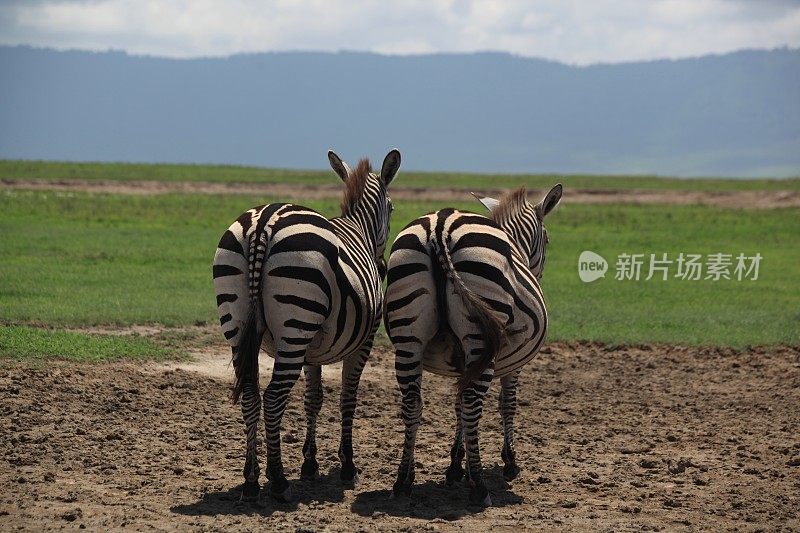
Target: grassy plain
[
  {"x": 46, "y": 170},
  {"x": 24, "y": 342},
  {"x": 75, "y": 259}
]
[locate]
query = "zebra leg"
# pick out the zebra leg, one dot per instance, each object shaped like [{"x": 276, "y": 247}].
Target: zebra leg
[
  {"x": 412, "y": 321},
  {"x": 285, "y": 374},
  {"x": 455, "y": 472},
  {"x": 313, "y": 404},
  {"x": 251, "y": 411},
  {"x": 508, "y": 408},
  {"x": 408, "y": 366},
  {"x": 471, "y": 410},
  {"x": 351, "y": 376}
]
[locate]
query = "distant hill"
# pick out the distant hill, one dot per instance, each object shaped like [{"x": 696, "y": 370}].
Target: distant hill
[{"x": 734, "y": 115}]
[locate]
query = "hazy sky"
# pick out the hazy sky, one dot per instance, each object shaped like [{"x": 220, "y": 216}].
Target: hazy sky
[{"x": 571, "y": 31}]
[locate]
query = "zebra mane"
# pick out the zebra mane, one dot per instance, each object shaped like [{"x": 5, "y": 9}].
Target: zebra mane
[
  {"x": 355, "y": 185},
  {"x": 512, "y": 202}
]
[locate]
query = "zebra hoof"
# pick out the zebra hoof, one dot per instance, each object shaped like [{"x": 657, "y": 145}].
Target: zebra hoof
[
  {"x": 453, "y": 475},
  {"x": 282, "y": 495},
  {"x": 250, "y": 492},
  {"x": 401, "y": 489},
  {"x": 510, "y": 472},
  {"x": 309, "y": 470},
  {"x": 349, "y": 474},
  {"x": 479, "y": 496},
  {"x": 353, "y": 482}
]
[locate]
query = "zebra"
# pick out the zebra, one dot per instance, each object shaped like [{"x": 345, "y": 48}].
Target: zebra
[
  {"x": 309, "y": 291},
  {"x": 463, "y": 300}
]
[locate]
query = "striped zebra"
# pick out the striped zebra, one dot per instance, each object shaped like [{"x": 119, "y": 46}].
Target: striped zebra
[
  {"x": 309, "y": 291},
  {"x": 463, "y": 300}
]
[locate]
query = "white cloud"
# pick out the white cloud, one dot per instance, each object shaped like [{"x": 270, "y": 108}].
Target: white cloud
[{"x": 572, "y": 31}]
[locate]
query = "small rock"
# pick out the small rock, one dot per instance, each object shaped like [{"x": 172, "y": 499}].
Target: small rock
[
  {"x": 289, "y": 437},
  {"x": 669, "y": 502},
  {"x": 642, "y": 448},
  {"x": 71, "y": 516},
  {"x": 543, "y": 479},
  {"x": 793, "y": 462},
  {"x": 648, "y": 463},
  {"x": 680, "y": 466},
  {"x": 569, "y": 504}
]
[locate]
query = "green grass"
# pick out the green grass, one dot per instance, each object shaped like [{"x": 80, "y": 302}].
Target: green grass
[
  {"x": 15, "y": 169},
  {"x": 81, "y": 259},
  {"x": 22, "y": 342}
]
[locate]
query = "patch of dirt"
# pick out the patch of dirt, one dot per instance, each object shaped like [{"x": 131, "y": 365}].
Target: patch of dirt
[
  {"x": 729, "y": 199},
  {"x": 144, "y": 330},
  {"x": 633, "y": 438}
]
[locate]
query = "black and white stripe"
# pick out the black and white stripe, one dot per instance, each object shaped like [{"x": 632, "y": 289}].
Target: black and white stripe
[
  {"x": 307, "y": 290},
  {"x": 463, "y": 300}
]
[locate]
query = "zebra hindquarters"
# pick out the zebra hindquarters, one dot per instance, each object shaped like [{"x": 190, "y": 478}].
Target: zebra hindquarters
[{"x": 412, "y": 321}]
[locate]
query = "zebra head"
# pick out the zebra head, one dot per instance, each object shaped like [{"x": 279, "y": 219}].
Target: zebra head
[
  {"x": 524, "y": 222},
  {"x": 366, "y": 200}
]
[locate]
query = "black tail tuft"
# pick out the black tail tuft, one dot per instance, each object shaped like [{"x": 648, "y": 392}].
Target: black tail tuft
[{"x": 245, "y": 361}]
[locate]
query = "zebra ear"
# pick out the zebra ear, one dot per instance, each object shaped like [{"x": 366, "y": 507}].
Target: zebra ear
[
  {"x": 391, "y": 164},
  {"x": 488, "y": 202},
  {"x": 338, "y": 166},
  {"x": 550, "y": 200}
]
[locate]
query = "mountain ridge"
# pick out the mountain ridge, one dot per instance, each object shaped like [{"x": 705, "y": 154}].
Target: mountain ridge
[{"x": 734, "y": 114}]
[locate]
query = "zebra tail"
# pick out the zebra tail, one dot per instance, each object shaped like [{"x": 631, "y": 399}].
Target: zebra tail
[
  {"x": 492, "y": 328},
  {"x": 245, "y": 362}
]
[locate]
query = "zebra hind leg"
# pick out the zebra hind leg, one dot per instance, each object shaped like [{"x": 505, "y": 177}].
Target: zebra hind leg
[
  {"x": 251, "y": 411},
  {"x": 455, "y": 472},
  {"x": 351, "y": 376},
  {"x": 508, "y": 408},
  {"x": 408, "y": 366},
  {"x": 471, "y": 410},
  {"x": 285, "y": 374},
  {"x": 313, "y": 404}
]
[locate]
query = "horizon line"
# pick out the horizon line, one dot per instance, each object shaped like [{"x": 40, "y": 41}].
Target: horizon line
[
  {"x": 324, "y": 169},
  {"x": 343, "y": 51}
]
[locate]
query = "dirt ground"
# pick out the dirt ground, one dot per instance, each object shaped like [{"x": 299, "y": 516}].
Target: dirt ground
[
  {"x": 729, "y": 199},
  {"x": 641, "y": 438}
]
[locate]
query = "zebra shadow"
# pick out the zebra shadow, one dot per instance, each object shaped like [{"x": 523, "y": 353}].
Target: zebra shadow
[
  {"x": 324, "y": 488},
  {"x": 432, "y": 499}
]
